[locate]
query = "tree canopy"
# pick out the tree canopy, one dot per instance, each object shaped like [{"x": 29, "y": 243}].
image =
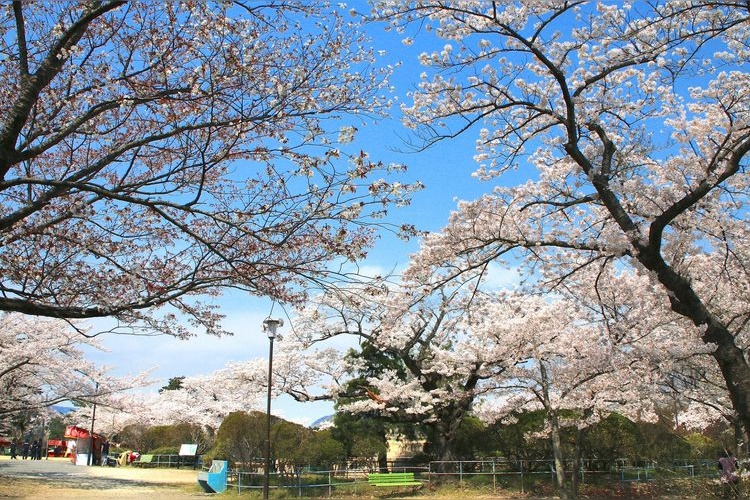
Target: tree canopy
[
  {"x": 152, "y": 152},
  {"x": 630, "y": 122},
  {"x": 44, "y": 363}
]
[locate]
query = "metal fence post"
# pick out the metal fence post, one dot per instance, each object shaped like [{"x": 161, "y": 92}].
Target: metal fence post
[
  {"x": 692, "y": 476},
  {"x": 494, "y": 478}
]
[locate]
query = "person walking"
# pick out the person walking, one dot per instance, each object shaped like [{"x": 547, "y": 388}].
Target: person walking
[
  {"x": 13, "y": 451},
  {"x": 25, "y": 449}
]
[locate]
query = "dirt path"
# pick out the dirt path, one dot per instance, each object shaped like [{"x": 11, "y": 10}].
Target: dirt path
[{"x": 59, "y": 478}]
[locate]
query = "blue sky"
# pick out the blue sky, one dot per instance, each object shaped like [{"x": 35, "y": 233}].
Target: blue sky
[{"x": 445, "y": 169}]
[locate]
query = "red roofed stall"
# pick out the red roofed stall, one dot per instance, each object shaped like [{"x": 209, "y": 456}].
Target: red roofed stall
[
  {"x": 56, "y": 448},
  {"x": 80, "y": 443}
]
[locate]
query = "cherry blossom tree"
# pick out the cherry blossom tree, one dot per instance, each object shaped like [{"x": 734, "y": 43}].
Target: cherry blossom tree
[
  {"x": 454, "y": 351},
  {"x": 437, "y": 368},
  {"x": 204, "y": 400},
  {"x": 43, "y": 363},
  {"x": 697, "y": 394},
  {"x": 633, "y": 311},
  {"x": 207, "y": 399},
  {"x": 448, "y": 354},
  {"x": 434, "y": 384},
  {"x": 635, "y": 119},
  {"x": 568, "y": 365},
  {"x": 701, "y": 402},
  {"x": 151, "y": 152}
]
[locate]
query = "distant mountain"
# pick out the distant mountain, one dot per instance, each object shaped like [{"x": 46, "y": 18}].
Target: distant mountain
[
  {"x": 62, "y": 410},
  {"x": 322, "y": 423}
]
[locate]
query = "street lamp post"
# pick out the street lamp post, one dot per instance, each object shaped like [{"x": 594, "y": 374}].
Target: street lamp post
[
  {"x": 90, "y": 458},
  {"x": 269, "y": 326}
]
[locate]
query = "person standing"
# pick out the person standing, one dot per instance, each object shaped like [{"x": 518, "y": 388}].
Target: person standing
[
  {"x": 13, "y": 451},
  {"x": 729, "y": 473},
  {"x": 25, "y": 449},
  {"x": 34, "y": 449},
  {"x": 105, "y": 452}
]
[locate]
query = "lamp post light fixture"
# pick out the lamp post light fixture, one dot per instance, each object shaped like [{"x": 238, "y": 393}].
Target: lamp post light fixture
[{"x": 270, "y": 326}]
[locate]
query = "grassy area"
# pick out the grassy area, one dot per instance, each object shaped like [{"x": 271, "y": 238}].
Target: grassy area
[{"x": 479, "y": 487}]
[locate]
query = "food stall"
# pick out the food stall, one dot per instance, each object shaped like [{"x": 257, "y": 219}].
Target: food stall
[
  {"x": 80, "y": 444},
  {"x": 56, "y": 448}
]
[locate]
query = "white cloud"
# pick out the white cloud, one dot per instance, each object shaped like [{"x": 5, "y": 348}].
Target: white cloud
[{"x": 502, "y": 277}]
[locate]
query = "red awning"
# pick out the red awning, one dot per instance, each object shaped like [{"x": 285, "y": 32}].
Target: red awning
[{"x": 73, "y": 432}]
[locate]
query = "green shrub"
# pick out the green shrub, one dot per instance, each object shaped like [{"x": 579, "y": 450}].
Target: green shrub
[{"x": 165, "y": 450}]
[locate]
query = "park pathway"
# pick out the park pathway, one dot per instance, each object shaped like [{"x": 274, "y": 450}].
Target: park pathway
[{"x": 59, "y": 478}]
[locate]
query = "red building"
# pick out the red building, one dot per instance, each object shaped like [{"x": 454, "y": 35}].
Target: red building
[
  {"x": 56, "y": 447},
  {"x": 80, "y": 442}
]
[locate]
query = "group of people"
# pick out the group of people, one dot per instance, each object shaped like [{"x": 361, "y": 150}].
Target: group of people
[{"x": 31, "y": 451}]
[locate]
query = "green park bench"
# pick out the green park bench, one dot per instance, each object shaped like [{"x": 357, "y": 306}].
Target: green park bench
[
  {"x": 393, "y": 479},
  {"x": 144, "y": 461}
]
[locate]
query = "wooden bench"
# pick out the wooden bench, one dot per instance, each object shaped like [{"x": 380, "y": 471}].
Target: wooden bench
[
  {"x": 393, "y": 479},
  {"x": 143, "y": 461}
]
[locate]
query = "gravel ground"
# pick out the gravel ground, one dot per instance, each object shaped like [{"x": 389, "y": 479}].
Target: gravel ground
[{"x": 59, "y": 478}]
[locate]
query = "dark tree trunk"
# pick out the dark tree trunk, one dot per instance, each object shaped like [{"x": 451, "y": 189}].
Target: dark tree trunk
[
  {"x": 443, "y": 445},
  {"x": 383, "y": 461},
  {"x": 444, "y": 434},
  {"x": 557, "y": 454},
  {"x": 575, "y": 480},
  {"x": 554, "y": 423}
]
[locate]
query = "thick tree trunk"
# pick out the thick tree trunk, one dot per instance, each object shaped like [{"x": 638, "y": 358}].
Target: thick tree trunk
[
  {"x": 444, "y": 456},
  {"x": 447, "y": 426},
  {"x": 734, "y": 368},
  {"x": 576, "y": 472},
  {"x": 740, "y": 440},
  {"x": 554, "y": 423},
  {"x": 557, "y": 455},
  {"x": 443, "y": 444},
  {"x": 383, "y": 461},
  {"x": 445, "y": 432}
]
